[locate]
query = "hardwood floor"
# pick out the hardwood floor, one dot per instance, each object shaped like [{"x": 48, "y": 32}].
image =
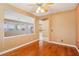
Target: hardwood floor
[{"x": 48, "y": 49}]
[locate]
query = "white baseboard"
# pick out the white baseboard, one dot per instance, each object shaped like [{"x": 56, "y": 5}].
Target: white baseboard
[
  {"x": 77, "y": 48},
  {"x": 63, "y": 44},
  {"x": 17, "y": 47},
  {"x": 60, "y": 43}
]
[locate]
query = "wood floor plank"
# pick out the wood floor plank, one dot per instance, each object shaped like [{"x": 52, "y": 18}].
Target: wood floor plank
[{"x": 48, "y": 49}]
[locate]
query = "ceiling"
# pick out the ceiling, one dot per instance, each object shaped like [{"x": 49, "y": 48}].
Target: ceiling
[{"x": 54, "y": 8}]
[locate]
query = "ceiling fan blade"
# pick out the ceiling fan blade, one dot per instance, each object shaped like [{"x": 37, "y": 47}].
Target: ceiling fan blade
[
  {"x": 50, "y": 3},
  {"x": 45, "y": 6},
  {"x": 34, "y": 10}
]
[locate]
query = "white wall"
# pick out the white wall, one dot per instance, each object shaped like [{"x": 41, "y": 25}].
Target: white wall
[
  {"x": 64, "y": 27},
  {"x": 11, "y": 14}
]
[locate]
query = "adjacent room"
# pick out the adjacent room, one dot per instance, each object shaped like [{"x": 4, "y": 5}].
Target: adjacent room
[{"x": 39, "y": 29}]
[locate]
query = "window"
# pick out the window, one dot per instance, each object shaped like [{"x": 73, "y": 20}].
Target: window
[
  {"x": 13, "y": 28},
  {"x": 17, "y": 24}
]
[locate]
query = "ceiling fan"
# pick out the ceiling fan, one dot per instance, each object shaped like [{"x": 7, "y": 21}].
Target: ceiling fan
[{"x": 42, "y": 7}]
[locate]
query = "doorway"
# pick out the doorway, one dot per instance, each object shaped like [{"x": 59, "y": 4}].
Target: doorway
[{"x": 43, "y": 29}]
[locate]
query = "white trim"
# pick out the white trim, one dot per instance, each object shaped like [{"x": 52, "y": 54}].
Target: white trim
[
  {"x": 63, "y": 44},
  {"x": 77, "y": 48},
  {"x": 17, "y": 47},
  {"x": 18, "y": 36},
  {"x": 60, "y": 43}
]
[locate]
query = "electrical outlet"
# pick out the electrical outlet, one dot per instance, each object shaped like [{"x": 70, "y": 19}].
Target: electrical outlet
[{"x": 61, "y": 40}]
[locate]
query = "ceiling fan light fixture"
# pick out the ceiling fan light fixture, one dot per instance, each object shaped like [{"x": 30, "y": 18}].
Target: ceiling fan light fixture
[{"x": 40, "y": 10}]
